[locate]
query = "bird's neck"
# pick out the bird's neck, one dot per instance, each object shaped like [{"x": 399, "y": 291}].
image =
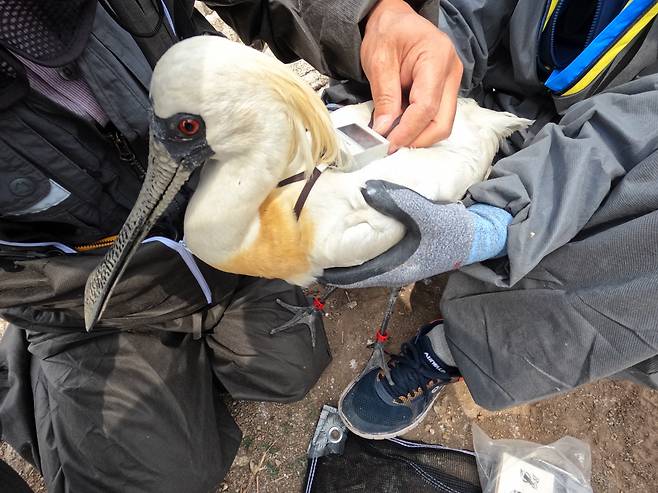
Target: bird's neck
[{"x": 223, "y": 216}]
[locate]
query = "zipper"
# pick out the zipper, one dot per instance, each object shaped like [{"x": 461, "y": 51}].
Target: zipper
[
  {"x": 595, "y": 23},
  {"x": 178, "y": 246},
  {"x": 126, "y": 154},
  {"x": 553, "y": 22},
  {"x": 55, "y": 248},
  {"x": 102, "y": 243}
]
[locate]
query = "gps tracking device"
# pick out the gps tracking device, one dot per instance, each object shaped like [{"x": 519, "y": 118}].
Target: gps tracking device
[{"x": 361, "y": 143}]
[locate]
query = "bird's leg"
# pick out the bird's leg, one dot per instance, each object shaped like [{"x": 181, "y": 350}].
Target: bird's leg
[
  {"x": 378, "y": 358},
  {"x": 304, "y": 315}
]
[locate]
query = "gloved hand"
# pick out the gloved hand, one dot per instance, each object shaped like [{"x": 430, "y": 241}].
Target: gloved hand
[{"x": 440, "y": 237}]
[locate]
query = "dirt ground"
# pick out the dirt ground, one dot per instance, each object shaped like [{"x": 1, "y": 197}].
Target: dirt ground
[{"x": 617, "y": 418}]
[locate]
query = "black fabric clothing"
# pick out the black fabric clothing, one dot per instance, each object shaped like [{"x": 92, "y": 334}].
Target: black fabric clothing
[
  {"x": 600, "y": 142},
  {"x": 43, "y": 146},
  {"x": 128, "y": 407},
  {"x": 118, "y": 410},
  {"x": 134, "y": 405},
  {"x": 11, "y": 481}
]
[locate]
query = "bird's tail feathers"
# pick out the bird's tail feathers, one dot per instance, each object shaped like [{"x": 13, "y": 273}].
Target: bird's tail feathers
[
  {"x": 502, "y": 123},
  {"x": 508, "y": 123}
]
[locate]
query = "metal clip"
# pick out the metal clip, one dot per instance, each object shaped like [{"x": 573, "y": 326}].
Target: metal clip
[{"x": 330, "y": 434}]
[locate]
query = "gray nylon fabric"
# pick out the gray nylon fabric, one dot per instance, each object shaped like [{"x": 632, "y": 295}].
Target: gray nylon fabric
[
  {"x": 554, "y": 185},
  {"x": 574, "y": 300},
  {"x": 585, "y": 312},
  {"x": 555, "y": 313},
  {"x": 325, "y": 34}
]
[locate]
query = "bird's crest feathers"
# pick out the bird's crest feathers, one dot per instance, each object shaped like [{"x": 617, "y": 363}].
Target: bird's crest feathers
[{"x": 307, "y": 114}]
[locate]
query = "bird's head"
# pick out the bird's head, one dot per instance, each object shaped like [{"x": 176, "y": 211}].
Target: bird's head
[{"x": 213, "y": 101}]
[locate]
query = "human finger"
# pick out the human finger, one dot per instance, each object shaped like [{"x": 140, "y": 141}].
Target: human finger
[
  {"x": 441, "y": 125},
  {"x": 425, "y": 100},
  {"x": 384, "y": 77}
]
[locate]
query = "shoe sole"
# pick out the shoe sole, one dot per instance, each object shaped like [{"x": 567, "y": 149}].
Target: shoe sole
[{"x": 383, "y": 436}]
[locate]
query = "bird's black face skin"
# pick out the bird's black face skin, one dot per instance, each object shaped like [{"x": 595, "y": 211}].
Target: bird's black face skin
[
  {"x": 178, "y": 146},
  {"x": 183, "y": 135}
]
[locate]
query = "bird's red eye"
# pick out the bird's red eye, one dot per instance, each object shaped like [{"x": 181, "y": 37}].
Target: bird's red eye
[{"x": 189, "y": 126}]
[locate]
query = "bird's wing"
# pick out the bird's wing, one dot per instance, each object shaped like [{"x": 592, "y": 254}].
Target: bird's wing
[{"x": 346, "y": 230}]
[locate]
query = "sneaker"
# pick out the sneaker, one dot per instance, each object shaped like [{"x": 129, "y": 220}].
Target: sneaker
[{"x": 373, "y": 408}]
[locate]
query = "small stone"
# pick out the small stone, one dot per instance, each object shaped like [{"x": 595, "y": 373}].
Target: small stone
[
  {"x": 241, "y": 461},
  {"x": 352, "y": 305},
  {"x": 277, "y": 462}
]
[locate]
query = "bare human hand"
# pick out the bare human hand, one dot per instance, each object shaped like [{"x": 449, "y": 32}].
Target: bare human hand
[{"x": 408, "y": 60}]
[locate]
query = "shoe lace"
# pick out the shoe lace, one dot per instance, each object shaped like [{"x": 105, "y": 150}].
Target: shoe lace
[{"x": 411, "y": 377}]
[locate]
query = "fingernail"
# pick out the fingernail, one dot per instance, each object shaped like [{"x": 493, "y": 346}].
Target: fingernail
[
  {"x": 382, "y": 123},
  {"x": 392, "y": 148}
]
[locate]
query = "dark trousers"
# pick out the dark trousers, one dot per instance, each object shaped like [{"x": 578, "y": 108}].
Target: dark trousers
[{"x": 134, "y": 411}]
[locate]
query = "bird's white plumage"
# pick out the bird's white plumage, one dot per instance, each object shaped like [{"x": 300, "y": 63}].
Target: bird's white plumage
[
  {"x": 354, "y": 232},
  {"x": 256, "y": 113}
]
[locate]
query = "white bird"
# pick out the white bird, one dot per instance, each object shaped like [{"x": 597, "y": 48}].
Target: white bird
[
  {"x": 250, "y": 123},
  {"x": 239, "y": 221}
]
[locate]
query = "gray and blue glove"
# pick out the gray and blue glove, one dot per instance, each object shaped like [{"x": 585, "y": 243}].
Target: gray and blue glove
[{"x": 440, "y": 237}]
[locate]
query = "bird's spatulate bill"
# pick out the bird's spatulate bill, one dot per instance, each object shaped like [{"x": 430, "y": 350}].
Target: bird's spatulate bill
[{"x": 164, "y": 179}]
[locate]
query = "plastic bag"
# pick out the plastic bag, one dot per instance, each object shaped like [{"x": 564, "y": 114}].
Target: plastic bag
[{"x": 517, "y": 466}]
